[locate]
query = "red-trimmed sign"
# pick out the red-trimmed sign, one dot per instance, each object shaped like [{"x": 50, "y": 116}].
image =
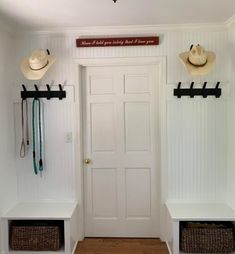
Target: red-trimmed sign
[{"x": 117, "y": 42}]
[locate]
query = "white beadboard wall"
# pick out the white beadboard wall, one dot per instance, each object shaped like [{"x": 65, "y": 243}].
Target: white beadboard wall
[
  {"x": 197, "y": 142},
  {"x": 8, "y": 180},
  {"x": 56, "y": 183},
  {"x": 7, "y": 170},
  {"x": 231, "y": 126},
  {"x": 196, "y": 128}
]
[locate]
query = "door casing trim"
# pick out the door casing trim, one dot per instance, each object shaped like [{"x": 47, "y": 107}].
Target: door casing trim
[{"x": 79, "y": 65}]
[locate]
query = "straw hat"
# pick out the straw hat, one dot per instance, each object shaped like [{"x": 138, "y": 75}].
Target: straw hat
[
  {"x": 197, "y": 60},
  {"x": 35, "y": 67}
]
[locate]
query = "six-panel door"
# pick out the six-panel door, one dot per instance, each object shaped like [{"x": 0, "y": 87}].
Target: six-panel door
[{"x": 121, "y": 148}]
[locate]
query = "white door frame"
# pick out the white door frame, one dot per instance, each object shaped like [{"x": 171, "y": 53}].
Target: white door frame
[{"x": 80, "y": 64}]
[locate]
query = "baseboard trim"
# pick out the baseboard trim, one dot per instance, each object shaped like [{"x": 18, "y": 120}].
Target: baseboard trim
[
  {"x": 168, "y": 247},
  {"x": 75, "y": 246}
]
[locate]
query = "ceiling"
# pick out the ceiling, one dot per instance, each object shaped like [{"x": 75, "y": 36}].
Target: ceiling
[{"x": 83, "y": 13}]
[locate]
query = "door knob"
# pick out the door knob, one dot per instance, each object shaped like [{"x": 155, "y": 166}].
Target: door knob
[{"x": 87, "y": 161}]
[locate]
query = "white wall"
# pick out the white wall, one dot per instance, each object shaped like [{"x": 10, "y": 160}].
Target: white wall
[
  {"x": 57, "y": 183},
  {"x": 197, "y": 136},
  {"x": 8, "y": 184},
  {"x": 231, "y": 125}
]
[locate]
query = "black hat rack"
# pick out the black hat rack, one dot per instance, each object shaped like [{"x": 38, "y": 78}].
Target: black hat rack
[
  {"x": 204, "y": 91},
  {"x": 48, "y": 94}
]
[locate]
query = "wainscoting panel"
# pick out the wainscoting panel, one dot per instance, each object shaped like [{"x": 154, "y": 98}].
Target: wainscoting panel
[
  {"x": 57, "y": 182},
  {"x": 197, "y": 148},
  {"x": 196, "y": 128}
]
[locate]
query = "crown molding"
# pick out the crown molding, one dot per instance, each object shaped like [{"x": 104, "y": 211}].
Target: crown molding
[
  {"x": 230, "y": 23},
  {"x": 116, "y": 30},
  {"x": 122, "y": 30}
]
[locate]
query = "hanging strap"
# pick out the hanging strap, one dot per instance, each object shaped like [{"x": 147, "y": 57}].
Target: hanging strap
[
  {"x": 39, "y": 167},
  {"x": 22, "y": 147},
  {"x": 27, "y": 123}
]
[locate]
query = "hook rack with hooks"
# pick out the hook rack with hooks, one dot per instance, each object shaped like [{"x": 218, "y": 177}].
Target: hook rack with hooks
[
  {"x": 204, "y": 91},
  {"x": 48, "y": 94}
]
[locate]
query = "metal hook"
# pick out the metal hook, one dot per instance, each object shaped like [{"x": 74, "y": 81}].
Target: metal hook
[
  {"x": 61, "y": 89},
  {"x": 179, "y": 85},
  {"x": 24, "y": 88},
  {"x": 204, "y": 85},
  {"x": 36, "y": 89},
  {"x": 204, "y": 95},
  {"x": 217, "y": 90},
  {"x": 48, "y": 90},
  {"x": 178, "y": 88},
  {"x": 191, "y": 90}
]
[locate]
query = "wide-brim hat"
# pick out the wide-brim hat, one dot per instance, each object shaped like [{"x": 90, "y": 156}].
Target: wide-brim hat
[
  {"x": 197, "y": 60},
  {"x": 35, "y": 66}
]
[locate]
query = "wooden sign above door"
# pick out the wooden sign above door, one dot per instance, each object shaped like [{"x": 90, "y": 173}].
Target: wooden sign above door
[{"x": 117, "y": 42}]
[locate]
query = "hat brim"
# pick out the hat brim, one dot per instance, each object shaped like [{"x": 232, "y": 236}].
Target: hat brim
[
  {"x": 198, "y": 70},
  {"x": 36, "y": 74}
]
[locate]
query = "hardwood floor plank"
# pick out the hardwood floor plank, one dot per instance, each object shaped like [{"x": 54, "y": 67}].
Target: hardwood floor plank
[{"x": 121, "y": 246}]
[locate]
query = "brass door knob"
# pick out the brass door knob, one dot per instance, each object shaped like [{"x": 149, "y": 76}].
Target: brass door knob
[{"x": 87, "y": 161}]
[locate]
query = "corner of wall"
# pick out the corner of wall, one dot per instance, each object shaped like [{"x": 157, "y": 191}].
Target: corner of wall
[
  {"x": 231, "y": 119},
  {"x": 8, "y": 179}
]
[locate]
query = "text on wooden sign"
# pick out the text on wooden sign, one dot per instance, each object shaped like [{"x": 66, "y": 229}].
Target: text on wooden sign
[{"x": 115, "y": 42}]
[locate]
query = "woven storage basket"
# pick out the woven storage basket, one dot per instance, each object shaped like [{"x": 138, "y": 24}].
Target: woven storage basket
[
  {"x": 207, "y": 238},
  {"x": 35, "y": 237}
]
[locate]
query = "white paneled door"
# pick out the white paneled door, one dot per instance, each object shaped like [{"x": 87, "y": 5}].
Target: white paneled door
[{"x": 121, "y": 158}]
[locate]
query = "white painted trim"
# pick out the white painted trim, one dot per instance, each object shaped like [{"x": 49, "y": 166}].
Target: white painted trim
[
  {"x": 161, "y": 61},
  {"x": 117, "y": 30},
  {"x": 168, "y": 247},
  {"x": 163, "y": 134},
  {"x": 122, "y": 30},
  {"x": 176, "y": 237},
  {"x": 75, "y": 247},
  {"x": 79, "y": 152},
  {"x": 120, "y": 61},
  {"x": 230, "y": 23}
]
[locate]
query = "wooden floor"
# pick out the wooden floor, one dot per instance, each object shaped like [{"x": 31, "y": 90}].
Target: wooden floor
[{"x": 121, "y": 246}]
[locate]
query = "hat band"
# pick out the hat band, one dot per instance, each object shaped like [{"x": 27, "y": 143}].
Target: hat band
[
  {"x": 197, "y": 65},
  {"x": 40, "y": 68}
]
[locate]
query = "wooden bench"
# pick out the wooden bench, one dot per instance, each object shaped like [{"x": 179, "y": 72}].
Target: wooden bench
[
  {"x": 66, "y": 212},
  {"x": 177, "y": 212}
]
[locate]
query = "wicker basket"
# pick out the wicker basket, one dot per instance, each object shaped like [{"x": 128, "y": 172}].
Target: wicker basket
[
  {"x": 35, "y": 237},
  {"x": 207, "y": 237}
]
